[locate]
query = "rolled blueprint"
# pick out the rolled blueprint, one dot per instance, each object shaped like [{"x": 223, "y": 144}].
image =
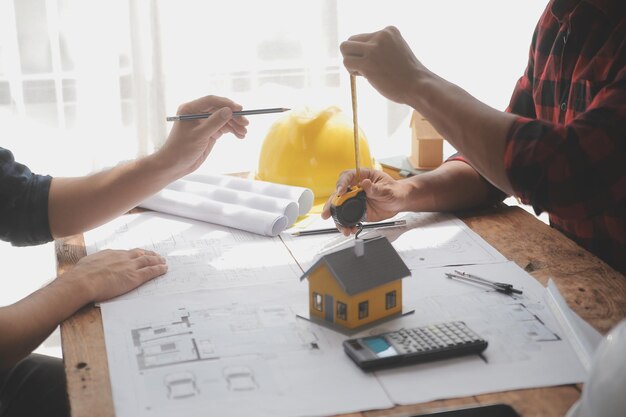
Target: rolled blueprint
[
  {"x": 241, "y": 198},
  {"x": 303, "y": 196},
  {"x": 201, "y": 208}
]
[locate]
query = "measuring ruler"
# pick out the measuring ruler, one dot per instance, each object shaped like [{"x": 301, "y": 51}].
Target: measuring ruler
[{"x": 348, "y": 209}]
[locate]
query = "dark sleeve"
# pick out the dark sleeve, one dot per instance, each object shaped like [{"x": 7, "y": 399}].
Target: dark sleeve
[{"x": 23, "y": 203}]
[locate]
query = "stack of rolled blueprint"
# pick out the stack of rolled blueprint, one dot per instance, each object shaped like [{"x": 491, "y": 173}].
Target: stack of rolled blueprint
[{"x": 255, "y": 206}]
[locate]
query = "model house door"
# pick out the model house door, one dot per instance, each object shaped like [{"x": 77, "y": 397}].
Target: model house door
[{"x": 329, "y": 311}]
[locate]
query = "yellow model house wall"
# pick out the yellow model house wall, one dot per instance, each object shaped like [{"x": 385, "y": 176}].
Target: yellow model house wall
[{"x": 321, "y": 281}]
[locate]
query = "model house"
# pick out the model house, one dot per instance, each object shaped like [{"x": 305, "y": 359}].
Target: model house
[
  {"x": 426, "y": 144},
  {"x": 358, "y": 285}
]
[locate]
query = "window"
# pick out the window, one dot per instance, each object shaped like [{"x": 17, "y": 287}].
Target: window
[
  {"x": 342, "y": 311},
  {"x": 390, "y": 300},
  {"x": 68, "y": 65},
  {"x": 364, "y": 309},
  {"x": 317, "y": 302}
]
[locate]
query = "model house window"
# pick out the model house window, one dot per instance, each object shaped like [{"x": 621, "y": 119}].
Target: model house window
[
  {"x": 317, "y": 302},
  {"x": 390, "y": 300},
  {"x": 364, "y": 309},
  {"x": 342, "y": 311}
]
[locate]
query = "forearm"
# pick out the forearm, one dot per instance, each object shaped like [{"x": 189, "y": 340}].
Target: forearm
[
  {"x": 453, "y": 186},
  {"x": 27, "y": 323},
  {"x": 478, "y": 131},
  {"x": 82, "y": 203}
]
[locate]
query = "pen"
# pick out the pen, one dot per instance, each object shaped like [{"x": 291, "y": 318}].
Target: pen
[
  {"x": 498, "y": 286},
  {"x": 235, "y": 113},
  {"x": 335, "y": 230}
]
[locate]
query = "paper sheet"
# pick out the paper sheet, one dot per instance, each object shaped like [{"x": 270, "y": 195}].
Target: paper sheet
[
  {"x": 242, "y": 198},
  {"x": 527, "y": 346},
  {"x": 225, "y": 339},
  {"x": 199, "y": 255},
  {"x": 427, "y": 240},
  {"x": 254, "y": 206},
  {"x": 303, "y": 196},
  {"x": 242, "y": 351},
  {"x": 230, "y": 352},
  {"x": 584, "y": 338},
  {"x": 201, "y": 208}
]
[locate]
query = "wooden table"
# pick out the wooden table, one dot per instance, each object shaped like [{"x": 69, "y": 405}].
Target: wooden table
[{"x": 592, "y": 289}]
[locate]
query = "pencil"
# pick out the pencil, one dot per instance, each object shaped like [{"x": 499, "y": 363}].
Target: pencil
[
  {"x": 235, "y": 113},
  {"x": 335, "y": 230}
]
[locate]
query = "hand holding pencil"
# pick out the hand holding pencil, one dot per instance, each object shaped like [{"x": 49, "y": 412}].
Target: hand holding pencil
[{"x": 189, "y": 143}]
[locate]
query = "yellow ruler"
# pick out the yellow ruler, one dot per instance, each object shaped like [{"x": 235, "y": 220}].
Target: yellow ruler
[{"x": 356, "y": 127}]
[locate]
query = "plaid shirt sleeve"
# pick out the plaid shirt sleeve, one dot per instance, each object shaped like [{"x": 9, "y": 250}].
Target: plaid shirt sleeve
[
  {"x": 23, "y": 203},
  {"x": 566, "y": 151},
  {"x": 574, "y": 170}
]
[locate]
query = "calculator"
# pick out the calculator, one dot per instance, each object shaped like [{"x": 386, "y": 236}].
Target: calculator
[{"x": 419, "y": 344}]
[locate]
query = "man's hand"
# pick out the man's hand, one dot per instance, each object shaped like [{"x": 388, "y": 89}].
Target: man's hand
[
  {"x": 385, "y": 196},
  {"x": 95, "y": 199},
  {"x": 385, "y": 60},
  {"x": 190, "y": 141},
  {"x": 109, "y": 273},
  {"x": 98, "y": 277}
]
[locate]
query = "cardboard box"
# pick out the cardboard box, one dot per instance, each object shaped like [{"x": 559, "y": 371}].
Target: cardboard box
[{"x": 426, "y": 144}]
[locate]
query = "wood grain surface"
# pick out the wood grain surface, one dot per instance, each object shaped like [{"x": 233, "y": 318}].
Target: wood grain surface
[{"x": 592, "y": 289}]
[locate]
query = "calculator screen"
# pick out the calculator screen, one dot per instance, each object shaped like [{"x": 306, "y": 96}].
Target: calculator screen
[{"x": 380, "y": 347}]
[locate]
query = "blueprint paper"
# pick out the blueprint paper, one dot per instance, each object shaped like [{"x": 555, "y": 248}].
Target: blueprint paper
[
  {"x": 197, "y": 207},
  {"x": 254, "y": 206},
  {"x": 303, "y": 196},
  {"x": 585, "y": 339},
  {"x": 527, "y": 347},
  {"x": 230, "y": 352},
  {"x": 241, "y": 198},
  {"x": 199, "y": 255},
  {"x": 427, "y": 240},
  {"x": 218, "y": 334}
]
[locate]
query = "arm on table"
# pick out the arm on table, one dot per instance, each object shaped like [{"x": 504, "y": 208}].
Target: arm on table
[{"x": 106, "y": 274}]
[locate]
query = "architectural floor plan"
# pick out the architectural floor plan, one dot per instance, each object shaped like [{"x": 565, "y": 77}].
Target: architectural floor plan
[
  {"x": 209, "y": 352},
  {"x": 228, "y": 341}
]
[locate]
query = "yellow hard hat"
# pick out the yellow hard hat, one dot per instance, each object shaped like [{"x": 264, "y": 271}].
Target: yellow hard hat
[{"x": 310, "y": 149}]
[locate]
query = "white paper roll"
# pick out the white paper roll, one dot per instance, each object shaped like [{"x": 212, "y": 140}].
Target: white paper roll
[
  {"x": 242, "y": 198},
  {"x": 303, "y": 196},
  {"x": 201, "y": 208}
]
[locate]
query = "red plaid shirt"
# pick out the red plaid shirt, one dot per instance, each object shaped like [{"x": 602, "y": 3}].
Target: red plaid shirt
[{"x": 566, "y": 153}]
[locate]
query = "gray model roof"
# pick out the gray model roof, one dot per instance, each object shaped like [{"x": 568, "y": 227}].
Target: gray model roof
[{"x": 379, "y": 265}]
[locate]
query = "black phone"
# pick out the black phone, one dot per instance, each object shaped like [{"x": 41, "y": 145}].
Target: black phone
[{"x": 491, "y": 410}]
